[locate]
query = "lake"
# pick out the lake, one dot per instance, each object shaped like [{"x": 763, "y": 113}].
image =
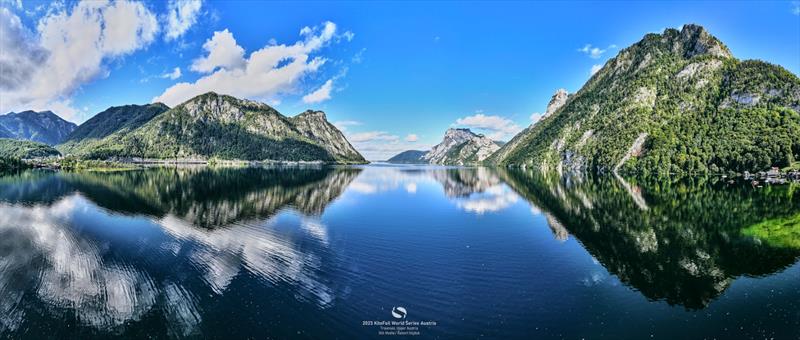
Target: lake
[{"x": 348, "y": 252}]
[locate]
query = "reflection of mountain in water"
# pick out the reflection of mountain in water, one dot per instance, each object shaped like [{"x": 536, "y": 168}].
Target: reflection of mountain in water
[
  {"x": 54, "y": 261},
  {"x": 475, "y": 190},
  {"x": 686, "y": 247},
  {"x": 202, "y": 196}
]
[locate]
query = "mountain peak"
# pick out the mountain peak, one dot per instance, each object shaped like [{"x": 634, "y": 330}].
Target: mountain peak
[
  {"x": 314, "y": 114},
  {"x": 696, "y": 40},
  {"x": 459, "y": 133}
]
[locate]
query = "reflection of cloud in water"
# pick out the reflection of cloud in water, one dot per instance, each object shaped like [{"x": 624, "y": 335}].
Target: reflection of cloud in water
[
  {"x": 494, "y": 199},
  {"x": 475, "y": 190},
  {"x": 39, "y": 248},
  {"x": 219, "y": 253}
]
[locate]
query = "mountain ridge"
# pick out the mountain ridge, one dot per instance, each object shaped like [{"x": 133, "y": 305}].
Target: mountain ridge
[
  {"x": 43, "y": 126},
  {"x": 211, "y": 125},
  {"x": 675, "y": 102}
]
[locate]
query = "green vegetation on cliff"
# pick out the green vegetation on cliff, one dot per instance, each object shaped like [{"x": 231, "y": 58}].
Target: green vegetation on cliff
[
  {"x": 676, "y": 102},
  {"x": 212, "y": 126}
]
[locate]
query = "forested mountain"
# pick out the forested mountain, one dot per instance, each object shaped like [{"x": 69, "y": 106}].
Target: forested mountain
[
  {"x": 461, "y": 147},
  {"x": 25, "y": 149},
  {"x": 44, "y": 127},
  {"x": 212, "y": 125},
  {"x": 117, "y": 119},
  {"x": 676, "y": 102},
  {"x": 409, "y": 157}
]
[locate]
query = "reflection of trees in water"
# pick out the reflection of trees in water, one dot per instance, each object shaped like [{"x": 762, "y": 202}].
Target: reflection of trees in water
[
  {"x": 205, "y": 197},
  {"x": 50, "y": 265},
  {"x": 685, "y": 248}
]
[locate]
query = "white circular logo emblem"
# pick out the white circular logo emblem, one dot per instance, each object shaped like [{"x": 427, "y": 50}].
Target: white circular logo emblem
[{"x": 399, "y": 312}]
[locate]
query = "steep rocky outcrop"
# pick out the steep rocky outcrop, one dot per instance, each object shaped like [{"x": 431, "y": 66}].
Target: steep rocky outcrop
[
  {"x": 315, "y": 126},
  {"x": 461, "y": 147},
  {"x": 44, "y": 127},
  {"x": 675, "y": 102}
]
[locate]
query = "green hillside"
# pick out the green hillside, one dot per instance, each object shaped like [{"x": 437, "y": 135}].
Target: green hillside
[
  {"x": 24, "y": 149},
  {"x": 214, "y": 126},
  {"x": 676, "y": 102}
]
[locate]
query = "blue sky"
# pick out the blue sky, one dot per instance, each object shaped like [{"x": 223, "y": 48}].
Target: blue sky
[{"x": 393, "y": 75}]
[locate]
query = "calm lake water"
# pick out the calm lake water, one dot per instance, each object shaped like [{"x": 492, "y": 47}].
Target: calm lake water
[{"x": 331, "y": 252}]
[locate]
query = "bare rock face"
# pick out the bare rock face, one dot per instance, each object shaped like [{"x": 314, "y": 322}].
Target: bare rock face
[
  {"x": 315, "y": 126},
  {"x": 461, "y": 147},
  {"x": 556, "y": 101}
]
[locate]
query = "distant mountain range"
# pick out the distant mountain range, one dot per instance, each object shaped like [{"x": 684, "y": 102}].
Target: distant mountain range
[
  {"x": 44, "y": 127},
  {"x": 458, "y": 147},
  {"x": 676, "y": 102}
]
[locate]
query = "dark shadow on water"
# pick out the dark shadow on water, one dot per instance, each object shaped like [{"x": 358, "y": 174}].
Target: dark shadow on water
[
  {"x": 678, "y": 240},
  {"x": 206, "y": 197}
]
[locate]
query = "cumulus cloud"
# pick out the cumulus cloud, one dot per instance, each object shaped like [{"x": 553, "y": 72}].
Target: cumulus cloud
[
  {"x": 593, "y": 51},
  {"x": 223, "y": 52},
  {"x": 596, "y": 68},
  {"x": 266, "y": 73},
  {"x": 175, "y": 74},
  {"x": 796, "y": 7},
  {"x": 69, "y": 48},
  {"x": 411, "y": 138},
  {"x": 496, "y": 127},
  {"x": 321, "y": 94},
  {"x": 181, "y": 15}
]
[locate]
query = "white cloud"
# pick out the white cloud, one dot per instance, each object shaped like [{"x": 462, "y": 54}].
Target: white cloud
[
  {"x": 595, "y": 52},
  {"x": 359, "y": 56},
  {"x": 496, "y": 127},
  {"x": 348, "y": 35},
  {"x": 535, "y": 117},
  {"x": 266, "y": 73},
  {"x": 223, "y": 52},
  {"x": 69, "y": 48},
  {"x": 372, "y": 136},
  {"x": 321, "y": 94},
  {"x": 175, "y": 74},
  {"x": 796, "y": 7},
  {"x": 343, "y": 125},
  {"x": 181, "y": 15},
  {"x": 596, "y": 68},
  {"x": 411, "y": 138}
]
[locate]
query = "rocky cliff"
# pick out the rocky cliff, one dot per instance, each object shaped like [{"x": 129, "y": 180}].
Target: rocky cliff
[{"x": 461, "y": 147}]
